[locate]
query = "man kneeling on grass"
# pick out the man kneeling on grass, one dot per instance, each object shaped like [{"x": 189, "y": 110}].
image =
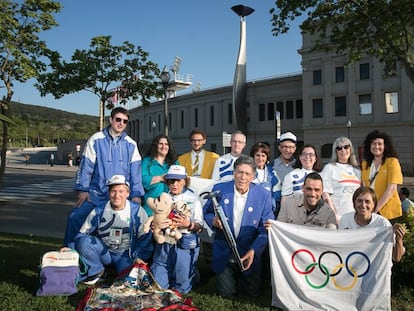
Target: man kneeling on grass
[{"x": 112, "y": 234}]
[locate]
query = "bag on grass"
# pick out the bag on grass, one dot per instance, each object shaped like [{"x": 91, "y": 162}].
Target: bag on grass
[{"x": 59, "y": 273}]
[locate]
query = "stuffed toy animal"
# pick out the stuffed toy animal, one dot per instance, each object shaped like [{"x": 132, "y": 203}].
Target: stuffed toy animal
[
  {"x": 182, "y": 209},
  {"x": 162, "y": 220}
]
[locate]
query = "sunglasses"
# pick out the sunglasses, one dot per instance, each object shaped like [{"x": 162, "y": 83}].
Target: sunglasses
[
  {"x": 172, "y": 181},
  {"x": 118, "y": 120},
  {"x": 346, "y": 147}
]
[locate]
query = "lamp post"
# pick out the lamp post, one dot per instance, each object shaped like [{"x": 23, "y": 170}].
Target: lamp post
[
  {"x": 348, "y": 126},
  {"x": 153, "y": 126},
  {"x": 165, "y": 78}
]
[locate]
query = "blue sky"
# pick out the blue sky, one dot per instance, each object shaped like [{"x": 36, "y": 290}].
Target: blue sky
[{"x": 204, "y": 33}]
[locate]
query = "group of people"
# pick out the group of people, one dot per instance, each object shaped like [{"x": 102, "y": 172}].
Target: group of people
[{"x": 115, "y": 186}]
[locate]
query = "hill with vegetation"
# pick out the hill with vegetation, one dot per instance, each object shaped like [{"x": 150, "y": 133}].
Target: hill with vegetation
[{"x": 41, "y": 126}]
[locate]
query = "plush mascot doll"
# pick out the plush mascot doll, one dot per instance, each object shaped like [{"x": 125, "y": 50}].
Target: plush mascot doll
[{"x": 162, "y": 228}]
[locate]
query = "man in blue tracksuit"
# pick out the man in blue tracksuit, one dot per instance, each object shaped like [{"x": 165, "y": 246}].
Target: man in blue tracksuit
[
  {"x": 107, "y": 153},
  {"x": 247, "y": 207},
  {"x": 112, "y": 233}
]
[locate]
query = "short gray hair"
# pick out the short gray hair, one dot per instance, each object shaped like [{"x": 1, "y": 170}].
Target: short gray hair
[{"x": 245, "y": 159}]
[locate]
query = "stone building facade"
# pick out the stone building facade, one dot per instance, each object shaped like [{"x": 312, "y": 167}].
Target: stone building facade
[{"x": 326, "y": 100}]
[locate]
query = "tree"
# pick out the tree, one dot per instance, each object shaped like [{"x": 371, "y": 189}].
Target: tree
[
  {"x": 22, "y": 53},
  {"x": 111, "y": 72},
  {"x": 380, "y": 28}
]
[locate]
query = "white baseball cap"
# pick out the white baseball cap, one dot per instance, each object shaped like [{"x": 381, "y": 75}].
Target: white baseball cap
[
  {"x": 117, "y": 180},
  {"x": 176, "y": 172},
  {"x": 287, "y": 136}
]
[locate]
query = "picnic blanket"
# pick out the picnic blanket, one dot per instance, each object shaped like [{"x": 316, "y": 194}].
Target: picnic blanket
[{"x": 138, "y": 291}]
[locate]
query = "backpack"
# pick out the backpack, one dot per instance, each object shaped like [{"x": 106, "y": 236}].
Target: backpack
[{"x": 59, "y": 273}]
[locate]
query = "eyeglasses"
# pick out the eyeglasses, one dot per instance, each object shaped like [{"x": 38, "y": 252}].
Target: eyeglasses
[
  {"x": 118, "y": 120},
  {"x": 346, "y": 147},
  {"x": 308, "y": 155},
  {"x": 237, "y": 142},
  {"x": 172, "y": 181}
]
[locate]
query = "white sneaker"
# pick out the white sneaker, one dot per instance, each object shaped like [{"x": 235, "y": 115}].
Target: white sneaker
[{"x": 92, "y": 280}]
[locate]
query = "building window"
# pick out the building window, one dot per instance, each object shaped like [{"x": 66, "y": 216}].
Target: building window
[
  {"x": 326, "y": 151},
  {"x": 182, "y": 119},
  {"x": 270, "y": 111},
  {"x": 150, "y": 128},
  {"x": 317, "y": 105},
  {"x": 364, "y": 71},
  {"x": 391, "y": 102},
  {"x": 289, "y": 109},
  {"x": 340, "y": 106},
  {"x": 196, "y": 117},
  {"x": 317, "y": 77},
  {"x": 299, "y": 109},
  {"x": 213, "y": 147},
  {"x": 340, "y": 74},
  {"x": 262, "y": 115},
  {"x": 230, "y": 114},
  {"x": 279, "y": 107},
  {"x": 365, "y": 104},
  {"x": 212, "y": 115}
]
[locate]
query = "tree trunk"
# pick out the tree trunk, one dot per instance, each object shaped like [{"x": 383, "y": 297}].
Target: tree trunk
[{"x": 101, "y": 114}]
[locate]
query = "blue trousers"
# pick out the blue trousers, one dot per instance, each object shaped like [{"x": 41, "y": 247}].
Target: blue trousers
[
  {"x": 75, "y": 222},
  {"x": 232, "y": 282},
  {"x": 96, "y": 255},
  {"x": 175, "y": 267}
]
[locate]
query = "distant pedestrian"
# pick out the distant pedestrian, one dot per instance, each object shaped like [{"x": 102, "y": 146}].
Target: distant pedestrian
[
  {"x": 70, "y": 159},
  {"x": 27, "y": 158},
  {"x": 52, "y": 159}
]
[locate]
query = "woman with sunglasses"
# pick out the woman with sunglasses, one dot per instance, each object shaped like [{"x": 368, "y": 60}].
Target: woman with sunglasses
[
  {"x": 308, "y": 162},
  {"x": 381, "y": 171},
  {"x": 341, "y": 177},
  {"x": 155, "y": 165}
]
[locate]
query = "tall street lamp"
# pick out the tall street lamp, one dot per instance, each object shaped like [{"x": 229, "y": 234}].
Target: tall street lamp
[
  {"x": 165, "y": 78},
  {"x": 348, "y": 126}
]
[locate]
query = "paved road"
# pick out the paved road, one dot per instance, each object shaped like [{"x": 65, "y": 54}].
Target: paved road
[{"x": 36, "y": 199}]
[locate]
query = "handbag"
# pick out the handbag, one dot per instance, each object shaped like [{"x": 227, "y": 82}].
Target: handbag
[{"x": 59, "y": 273}]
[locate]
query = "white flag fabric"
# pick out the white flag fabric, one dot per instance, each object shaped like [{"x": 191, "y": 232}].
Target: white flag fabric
[{"x": 322, "y": 269}]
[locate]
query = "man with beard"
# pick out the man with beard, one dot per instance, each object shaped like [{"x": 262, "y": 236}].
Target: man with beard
[{"x": 308, "y": 208}]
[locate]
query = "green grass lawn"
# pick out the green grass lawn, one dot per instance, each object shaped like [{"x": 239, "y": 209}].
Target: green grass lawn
[{"x": 19, "y": 280}]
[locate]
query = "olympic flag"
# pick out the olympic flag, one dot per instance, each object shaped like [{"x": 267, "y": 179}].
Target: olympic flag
[{"x": 322, "y": 269}]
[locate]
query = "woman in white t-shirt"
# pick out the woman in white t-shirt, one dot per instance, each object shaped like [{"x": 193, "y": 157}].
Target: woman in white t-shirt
[
  {"x": 308, "y": 162},
  {"x": 365, "y": 202},
  {"x": 341, "y": 177}
]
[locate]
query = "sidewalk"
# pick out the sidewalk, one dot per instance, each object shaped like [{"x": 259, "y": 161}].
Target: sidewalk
[{"x": 43, "y": 167}]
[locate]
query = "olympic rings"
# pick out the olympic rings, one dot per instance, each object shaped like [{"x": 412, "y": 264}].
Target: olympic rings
[
  {"x": 326, "y": 272},
  {"x": 336, "y": 270},
  {"x": 363, "y": 255},
  {"x": 340, "y": 262}
]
